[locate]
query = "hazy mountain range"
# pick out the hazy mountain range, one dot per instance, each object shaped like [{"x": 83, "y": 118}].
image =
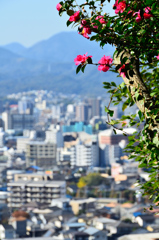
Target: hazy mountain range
[{"x": 49, "y": 64}]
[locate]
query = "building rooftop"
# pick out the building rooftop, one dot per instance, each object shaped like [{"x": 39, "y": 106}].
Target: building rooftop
[
  {"x": 37, "y": 238},
  {"x": 18, "y": 183},
  {"x": 146, "y": 236},
  {"x": 91, "y": 230},
  {"x": 80, "y": 201},
  {"x": 39, "y": 143},
  {"x": 75, "y": 224},
  {"x": 54, "y": 183},
  {"x": 36, "y": 183},
  {"x": 105, "y": 220},
  {"x": 110, "y": 132}
]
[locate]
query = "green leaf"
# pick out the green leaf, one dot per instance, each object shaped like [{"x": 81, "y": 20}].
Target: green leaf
[
  {"x": 83, "y": 68},
  {"x": 89, "y": 60},
  {"x": 78, "y": 68},
  {"x": 111, "y": 113},
  {"x": 68, "y": 23},
  {"x": 114, "y": 130},
  {"x": 70, "y": 12},
  {"x": 140, "y": 114},
  {"x": 113, "y": 84},
  {"x": 93, "y": 38}
]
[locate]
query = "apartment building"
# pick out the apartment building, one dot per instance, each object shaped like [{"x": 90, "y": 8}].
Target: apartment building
[
  {"x": 83, "y": 112},
  {"x": 41, "y": 154},
  {"x": 39, "y": 176},
  {"x": 21, "y": 143},
  {"x": 18, "y": 121},
  {"x": 22, "y": 192},
  {"x": 63, "y": 155},
  {"x": 95, "y": 104},
  {"x": 112, "y": 145},
  {"x": 85, "y": 154},
  {"x": 54, "y": 135}
]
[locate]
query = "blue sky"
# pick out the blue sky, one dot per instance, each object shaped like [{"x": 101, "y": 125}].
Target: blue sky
[{"x": 29, "y": 21}]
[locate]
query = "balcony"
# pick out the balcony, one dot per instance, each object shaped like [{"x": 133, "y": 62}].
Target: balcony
[
  {"x": 34, "y": 189},
  {"x": 18, "y": 195},
  {"x": 56, "y": 196},
  {"x": 48, "y": 195},
  {"x": 56, "y": 190},
  {"x": 35, "y": 195},
  {"x": 16, "y": 189},
  {"x": 48, "y": 190}
]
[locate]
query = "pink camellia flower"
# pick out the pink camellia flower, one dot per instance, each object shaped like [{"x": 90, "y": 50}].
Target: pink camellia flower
[
  {"x": 119, "y": 7},
  {"x": 83, "y": 22},
  {"x": 94, "y": 26},
  {"x": 58, "y": 6},
  {"x": 157, "y": 57},
  {"x": 130, "y": 12},
  {"x": 81, "y": 59},
  {"x": 138, "y": 18},
  {"x": 103, "y": 68},
  {"x": 85, "y": 32},
  {"x": 147, "y": 14},
  {"x": 101, "y": 19},
  {"x": 75, "y": 17},
  {"x": 104, "y": 63},
  {"x": 121, "y": 71}
]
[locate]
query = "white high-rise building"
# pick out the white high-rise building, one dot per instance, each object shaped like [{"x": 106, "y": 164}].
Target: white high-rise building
[
  {"x": 2, "y": 137},
  {"x": 21, "y": 143},
  {"x": 6, "y": 117},
  {"x": 85, "y": 154},
  {"x": 63, "y": 155},
  {"x": 56, "y": 111},
  {"x": 54, "y": 135}
]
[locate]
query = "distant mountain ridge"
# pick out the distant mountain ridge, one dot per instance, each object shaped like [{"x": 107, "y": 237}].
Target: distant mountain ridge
[
  {"x": 62, "y": 47},
  {"x": 49, "y": 64},
  {"x": 16, "y": 48}
]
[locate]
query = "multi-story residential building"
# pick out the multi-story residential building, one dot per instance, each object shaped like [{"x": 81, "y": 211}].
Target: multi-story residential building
[
  {"x": 21, "y": 143},
  {"x": 2, "y": 137},
  {"x": 39, "y": 176},
  {"x": 10, "y": 173},
  {"x": 83, "y": 112},
  {"x": 6, "y": 118},
  {"x": 63, "y": 156},
  {"x": 85, "y": 154},
  {"x": 18, "y": 121},
  {"x": 41, "y": 154},
  {"x": 22, "y": 192},
  {"x": 25, "y": 105},
  {"x": 54, "y": 135},
  {"x": 95, "y": 104},
  {"x": 56, "y": 111},
  {"x": 109, "y": 154},
  {"x": 111, "y": 145}
]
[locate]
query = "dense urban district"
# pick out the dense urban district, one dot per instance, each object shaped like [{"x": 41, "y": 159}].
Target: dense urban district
[{"x": 65, "y": 174}]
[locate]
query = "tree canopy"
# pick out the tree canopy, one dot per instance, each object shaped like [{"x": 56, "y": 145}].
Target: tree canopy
[
  {"x": 134, "y": 31},
  {"x": 92, "y": 179}
]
